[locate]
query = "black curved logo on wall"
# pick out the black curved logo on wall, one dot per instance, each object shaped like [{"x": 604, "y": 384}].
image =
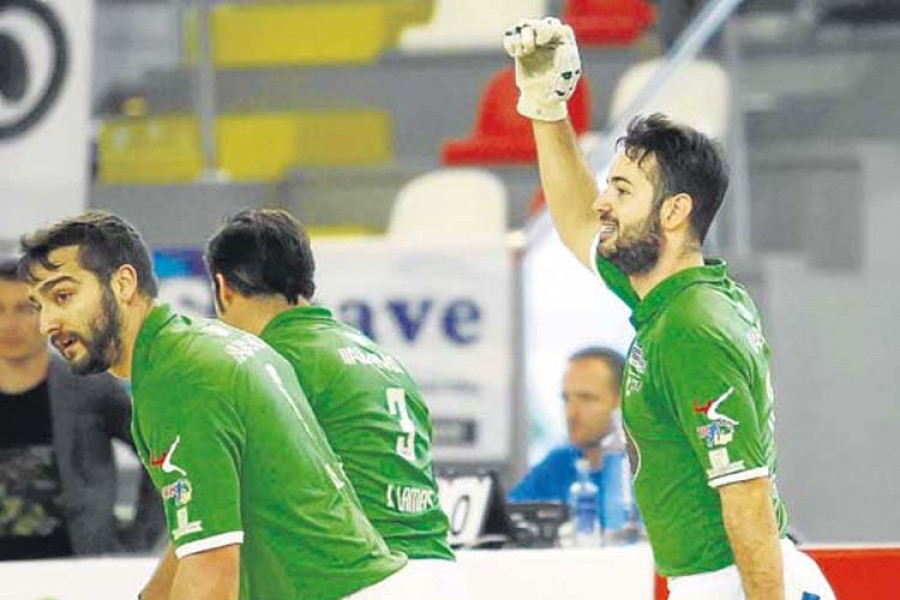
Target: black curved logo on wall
[{"x": 16, "y": 72}]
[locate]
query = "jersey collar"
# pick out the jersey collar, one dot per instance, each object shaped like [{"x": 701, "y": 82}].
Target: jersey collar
[
  {"x": 309, "y": 312},
  {"x": 714, "y": 270},
  {"x": 158, "y": 318}
]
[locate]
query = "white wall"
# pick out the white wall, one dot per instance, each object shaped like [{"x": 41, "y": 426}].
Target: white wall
[{"x": 836, "y": 343}]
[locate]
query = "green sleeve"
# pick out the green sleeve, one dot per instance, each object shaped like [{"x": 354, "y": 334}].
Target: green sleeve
[
  {"x": 196, "y": 467},
  {"x": 707, "y": 380},
  {"x": 616, "y": 280}
]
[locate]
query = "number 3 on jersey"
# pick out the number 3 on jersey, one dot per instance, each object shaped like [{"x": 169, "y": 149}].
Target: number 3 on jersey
[{"x": 406, "y": 442}]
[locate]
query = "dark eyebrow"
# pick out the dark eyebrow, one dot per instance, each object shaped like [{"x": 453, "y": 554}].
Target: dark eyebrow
[
  {"x": 620, "y": 179},
  {"x": 50, "y": 283}
]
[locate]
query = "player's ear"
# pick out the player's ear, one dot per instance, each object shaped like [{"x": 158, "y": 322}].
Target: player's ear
[
  {"x": 676, "y": 211},
  {"x": 224, "y": 292},
  {"x": 124, "y": 283}
]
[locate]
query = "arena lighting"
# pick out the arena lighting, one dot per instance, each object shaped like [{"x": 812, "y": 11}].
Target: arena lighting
[{"x": 21, "y": 108}]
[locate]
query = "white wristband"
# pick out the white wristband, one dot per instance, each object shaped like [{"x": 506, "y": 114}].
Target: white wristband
[{"x": 542, "y": 111}]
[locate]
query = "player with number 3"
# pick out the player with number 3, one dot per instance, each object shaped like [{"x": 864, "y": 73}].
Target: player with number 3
[{"x": 370, "y": 408}]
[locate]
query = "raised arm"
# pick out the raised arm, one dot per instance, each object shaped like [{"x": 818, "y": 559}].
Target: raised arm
[
  {"x": 547, "y": 71},
  {"x": 569, "y": 187}
]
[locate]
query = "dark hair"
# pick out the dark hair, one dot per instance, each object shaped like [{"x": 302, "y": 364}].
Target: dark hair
[
  {"x": 105, "y": 242},
  {"x": 613, "y": 360},
  {"x": 9, "y": 268},
  {"x": 264, "y": 252},
  {"x": 687, "y": 162}
]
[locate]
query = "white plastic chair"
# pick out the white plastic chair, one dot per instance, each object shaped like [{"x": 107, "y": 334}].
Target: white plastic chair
[
  {"x": 696, "y": 95},
  {"x": 460, "y": 25},
  {"x": 450, "y": 203}
]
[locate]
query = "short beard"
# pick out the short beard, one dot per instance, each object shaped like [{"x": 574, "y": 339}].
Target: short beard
[
  {"x": 105, "y": 344},
  {"x": 639, "y": 256}
]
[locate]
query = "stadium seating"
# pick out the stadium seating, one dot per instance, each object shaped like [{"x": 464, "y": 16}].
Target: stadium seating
[
  {"x": 709, "y": 115},
  {"x": 705, "y": 108},
  {"x": 248, "y": 147},
  {"x": 460, "y": 25},
  {"x": 608, "y": 22},
  {"x": 309, "y": 33},
  {"x": 263, "y": 146},
  {"x": 501, "y": 135},
  {"x": 406, "y": 14},
  {"x": 449, "y": 202},
  {"x": 163, "y": 149}
]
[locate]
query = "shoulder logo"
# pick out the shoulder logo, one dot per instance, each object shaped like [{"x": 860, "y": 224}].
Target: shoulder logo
[
  {"x": 720, "y": 430},
  {"x": 164, "y": 461},
  {"x": 711, "y": 408}
]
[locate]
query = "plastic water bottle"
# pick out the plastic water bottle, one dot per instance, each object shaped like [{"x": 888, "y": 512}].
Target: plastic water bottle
[{"x": 584, "y": 508}]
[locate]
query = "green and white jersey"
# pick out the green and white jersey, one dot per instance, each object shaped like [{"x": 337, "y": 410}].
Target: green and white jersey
[
  {"x": 231, "y": 443},
  {"x": 376, "y": 421},
  {"x": 697, "y": 401}
]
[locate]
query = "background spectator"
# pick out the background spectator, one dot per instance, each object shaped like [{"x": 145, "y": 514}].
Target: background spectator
[
  {"x": 591, "y": 395},
  {"x": 58, "y": 479}
]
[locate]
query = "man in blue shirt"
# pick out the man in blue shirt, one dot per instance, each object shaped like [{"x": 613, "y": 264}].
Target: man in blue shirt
[{"x": 591, "y": 394}]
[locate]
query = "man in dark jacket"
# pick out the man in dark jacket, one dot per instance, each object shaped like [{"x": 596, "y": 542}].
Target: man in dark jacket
[{"x": 58, "y": 477}]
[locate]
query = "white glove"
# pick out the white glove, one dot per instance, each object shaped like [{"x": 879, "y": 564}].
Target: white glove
[{"x": 547, "y": 67}]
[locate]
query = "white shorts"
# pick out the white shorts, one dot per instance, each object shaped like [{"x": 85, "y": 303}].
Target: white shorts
[
  {"x": 421, "y": 578},
  {"x": 801, "y": 576}
]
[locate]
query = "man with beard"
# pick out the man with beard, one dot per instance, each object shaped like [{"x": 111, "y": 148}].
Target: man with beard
[
  {"x": 57, "y": 473},
  {"x": 257, "y": 504},
  {"x": 370, "y": 408},
  {"x": 697, "y": 397}
]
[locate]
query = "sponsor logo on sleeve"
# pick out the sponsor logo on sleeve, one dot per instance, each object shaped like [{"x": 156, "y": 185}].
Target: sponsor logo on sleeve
[
  {"x": 720, "y": 464},
  {"x": 180, "y": 491},
  {"x": 164, "y": 460},
  {"x": 185, "y": 525},
  {"x": 720, "y": 429}
]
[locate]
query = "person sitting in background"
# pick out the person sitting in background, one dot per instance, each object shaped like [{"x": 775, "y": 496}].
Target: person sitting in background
[
  {"x": 591, "y": 395},
  {"x": 57, "y": 473}
]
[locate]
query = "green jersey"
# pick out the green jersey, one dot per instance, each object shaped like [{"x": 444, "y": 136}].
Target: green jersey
[
  {"x": 376, "y": 421},
  {"x": 231, "y": 443},
  {"x": 697, "y": 402}
]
